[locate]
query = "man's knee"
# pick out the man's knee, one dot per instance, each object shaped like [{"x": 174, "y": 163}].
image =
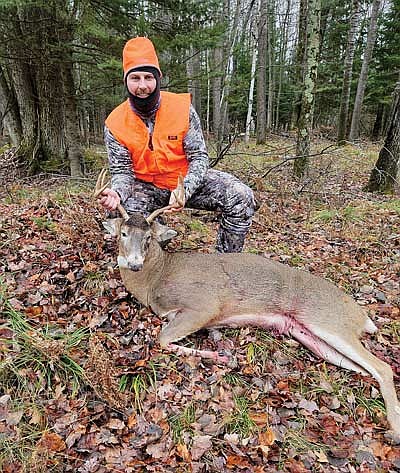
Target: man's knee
[{"x": 240, "y": 200}]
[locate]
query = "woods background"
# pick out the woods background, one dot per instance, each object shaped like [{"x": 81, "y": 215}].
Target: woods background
[{"x": 253, "y": 67}]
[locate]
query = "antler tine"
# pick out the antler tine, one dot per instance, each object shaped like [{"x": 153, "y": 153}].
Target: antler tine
[
  {"x": 123, "y": 212},
  {"x": 156, "y": 213},
  {"x": 101, "y": 184},
  {"x": 179, "y": 194}
]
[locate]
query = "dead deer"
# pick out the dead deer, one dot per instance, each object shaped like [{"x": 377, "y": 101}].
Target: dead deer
[{"x": 196, "y": 290}]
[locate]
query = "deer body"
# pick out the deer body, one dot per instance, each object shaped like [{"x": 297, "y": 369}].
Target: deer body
[
  {"x": 197, "y": 291},
  {"x": 276, "y": 296}
]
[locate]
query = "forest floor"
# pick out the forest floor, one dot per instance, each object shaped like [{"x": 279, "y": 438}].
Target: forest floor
[{"x": 85, "y": 387}]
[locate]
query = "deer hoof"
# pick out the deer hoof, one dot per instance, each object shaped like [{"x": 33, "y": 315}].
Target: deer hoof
[
  {"x": 392, "y": 437},
  {"x": 225, "y": 358}
]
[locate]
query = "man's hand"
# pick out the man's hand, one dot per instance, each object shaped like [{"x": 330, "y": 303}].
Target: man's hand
[{"x": 109, "y": 199}]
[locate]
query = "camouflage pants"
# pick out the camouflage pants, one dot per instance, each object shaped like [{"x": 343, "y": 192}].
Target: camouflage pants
[{"x": 219, "y": 191}]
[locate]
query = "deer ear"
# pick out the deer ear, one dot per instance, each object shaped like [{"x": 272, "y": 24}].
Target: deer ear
[
  {"x": 162, "y": 233},
  {"x": 113, "y": 225}
]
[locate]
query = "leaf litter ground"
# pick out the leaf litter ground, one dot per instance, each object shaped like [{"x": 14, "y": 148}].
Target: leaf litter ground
[{"x": 86, "y": 388}]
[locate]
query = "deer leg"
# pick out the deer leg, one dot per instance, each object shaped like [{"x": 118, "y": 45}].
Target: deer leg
[
  {"x": 324, "y": 351},
  {"x": 382, "y": 372},
  {"x": 183, "y": 323},
  {"x": 208, "y": 354},
  {"x": 353, "y": 349}
]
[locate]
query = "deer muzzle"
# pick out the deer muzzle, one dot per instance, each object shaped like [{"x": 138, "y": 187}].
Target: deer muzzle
[
  {"x": 135, "y": 266},
  {"x": 132, "y": 263}
]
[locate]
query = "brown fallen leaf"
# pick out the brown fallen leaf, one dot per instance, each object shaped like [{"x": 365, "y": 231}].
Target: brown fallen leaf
[
  {"x": 51, "y": 442},
  {"x": 183, "y": 452},
  {"x": 295, "y": 466},
  {"x": 75, "y": 435},
  {"x": 13, "y": 418},
  {"x": 36, "y": 417},
  {"x": 266, "y": 438},
  {"x": 115, "y": 424},
  {"x": 321, "y": 456},
  {"x": 259, "y": 418},
  {"x": 201, "y": 444},
  {"x": 157, "y": 450},
  {"x": 237, "y": 461},
  {"x": 132, "y": 420},
  {"x": 380, "y": 450}
]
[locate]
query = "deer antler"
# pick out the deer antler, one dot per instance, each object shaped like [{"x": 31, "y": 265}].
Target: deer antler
[
  {"x": 179, "y": 194},
  {"x": 101, "y": 184}
]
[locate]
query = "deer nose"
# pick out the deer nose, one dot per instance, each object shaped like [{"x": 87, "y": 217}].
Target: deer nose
[{"x": 135, "y": 266}]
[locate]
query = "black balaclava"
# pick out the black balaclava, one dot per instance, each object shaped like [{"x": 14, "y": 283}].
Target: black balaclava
[{"x": 147, "y": 106}]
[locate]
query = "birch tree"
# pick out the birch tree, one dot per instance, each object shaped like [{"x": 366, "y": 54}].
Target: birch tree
[
  {"x": 348, "y": 71},
  {"x": 261, "y": 74},
  {"x": 299, "y": 60},
  {"x": 229, "y": 68},
  {"x": 271, "y": 61},
  {"x": 216, "y": 83},
  {"x": 305, "y": 120},
  {"x": 249, "y": 116},
  {"x": 283, "y": 44},
  {"x": 362, "y": 80}
]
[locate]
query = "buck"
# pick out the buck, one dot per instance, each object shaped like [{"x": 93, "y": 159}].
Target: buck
[{"x": 196, "y": 290}]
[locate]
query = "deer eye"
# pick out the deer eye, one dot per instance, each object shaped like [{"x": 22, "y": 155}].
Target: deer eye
[
  {"x": 147, "y": 241},
  {"x": 124, "y": 234}
]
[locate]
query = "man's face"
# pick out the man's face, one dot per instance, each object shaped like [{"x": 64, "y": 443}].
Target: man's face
[{"x": 141, "y": 84}]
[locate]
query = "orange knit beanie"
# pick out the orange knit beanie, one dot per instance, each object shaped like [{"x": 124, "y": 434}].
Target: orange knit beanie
[{"x": 139, "y": 52}]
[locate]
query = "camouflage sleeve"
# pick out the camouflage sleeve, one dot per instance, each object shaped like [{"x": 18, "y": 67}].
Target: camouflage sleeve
[
  {"x": 196, "y": 153},
  {"x": 120, "y": 164}
]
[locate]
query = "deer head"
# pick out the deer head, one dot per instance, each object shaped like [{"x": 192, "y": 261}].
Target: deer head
[
  {"x": 135, "y": 233},
  {"x": 135, "y": 237}
]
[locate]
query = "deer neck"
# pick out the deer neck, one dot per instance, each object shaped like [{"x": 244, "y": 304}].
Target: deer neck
[{"x": 141, "y": 283}]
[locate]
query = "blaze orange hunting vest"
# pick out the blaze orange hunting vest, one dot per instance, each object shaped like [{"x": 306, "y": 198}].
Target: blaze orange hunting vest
[{"x": 159, "y": 158}]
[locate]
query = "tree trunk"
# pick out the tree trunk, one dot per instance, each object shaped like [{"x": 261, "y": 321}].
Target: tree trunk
[
  {"x": 362, "y": 80},
  {"x": 384, "y": 175},
  {"x": 217, "y": 90},
  {"x": 18, "y": 68},
  {"x": 261, "y": 74},
  {"x": 305, "y": 120},
  {"x": 282, "y": 61},
  {"x": 348, "y": 71},
  {"x": 38, "y": 38},
  {"x": 299, "y": 61},
  {"x": 271, "y": 62},
  {"x": 28, "y": 147},
  {"x": 72, "y": 135},
  {"x": 9, "y": 111},
  {"x": 208, "y": 111},
  {"x": 251, "y": 95},
  {"x": 378, "y": 123},
  {"x": 193, "y": 71},
  {"x": 229, "y": 69}
]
